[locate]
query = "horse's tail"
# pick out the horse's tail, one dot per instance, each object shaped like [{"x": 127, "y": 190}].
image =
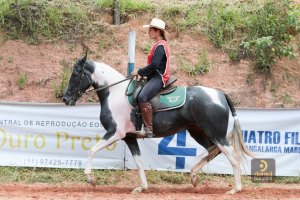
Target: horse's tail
[{"x": 235, "y": 137}]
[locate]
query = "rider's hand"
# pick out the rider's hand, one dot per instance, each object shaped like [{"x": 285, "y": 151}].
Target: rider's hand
[{"x": 135, "y": 73}]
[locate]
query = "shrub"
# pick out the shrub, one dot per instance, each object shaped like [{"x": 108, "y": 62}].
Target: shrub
[
  {"x": 264, "y": 31},
  {"x": 22, "y": 80},
  {"x": 60, "y": 89},
  {"x": 203, "y": 66}
]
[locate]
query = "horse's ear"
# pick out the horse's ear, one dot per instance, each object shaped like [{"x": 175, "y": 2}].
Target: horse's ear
[{"x": 83, "y": 60}]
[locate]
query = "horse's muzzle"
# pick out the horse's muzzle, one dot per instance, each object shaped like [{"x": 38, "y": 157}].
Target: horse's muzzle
[{"x": 69, "y": 101}]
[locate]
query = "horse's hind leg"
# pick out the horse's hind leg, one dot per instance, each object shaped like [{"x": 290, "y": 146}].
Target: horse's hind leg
[
  {"x": 200, "y": 137},
  {"x": 222, "y": 145},
  {"x": 229, "y": 152},
  {"x": 135, "y": 151}
]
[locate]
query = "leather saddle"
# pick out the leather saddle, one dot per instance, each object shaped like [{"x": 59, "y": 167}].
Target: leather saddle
[{"x": 155, "y": 101}]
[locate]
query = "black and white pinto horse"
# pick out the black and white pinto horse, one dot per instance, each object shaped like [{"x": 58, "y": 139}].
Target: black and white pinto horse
[{"x": 205, "y": 115}]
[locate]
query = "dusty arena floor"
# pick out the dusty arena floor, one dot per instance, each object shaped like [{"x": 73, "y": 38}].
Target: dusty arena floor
[{"x": 203, "y": 191}]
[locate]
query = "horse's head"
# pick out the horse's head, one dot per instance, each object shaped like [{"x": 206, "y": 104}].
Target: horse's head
[{"x": 79, "y": 82}]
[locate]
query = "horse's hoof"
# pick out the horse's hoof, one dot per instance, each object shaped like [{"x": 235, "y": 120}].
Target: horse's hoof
[
  {"x": 139, "y": 190},
  {"x": 233, "y": 191},
  {"x": 194, "y": 179},
  {"x": 93, "y": 181}
]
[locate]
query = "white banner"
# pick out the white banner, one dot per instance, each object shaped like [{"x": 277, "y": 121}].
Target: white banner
[
  {"x": 54, "y": 135},
  {"x": 270, "y": 133}
]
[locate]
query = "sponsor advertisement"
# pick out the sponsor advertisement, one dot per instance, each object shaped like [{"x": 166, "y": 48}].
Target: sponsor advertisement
[{"x": 54, "y": 135}]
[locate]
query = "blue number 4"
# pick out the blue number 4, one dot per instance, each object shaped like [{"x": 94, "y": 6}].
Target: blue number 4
[{"x": 163, "y": 149}]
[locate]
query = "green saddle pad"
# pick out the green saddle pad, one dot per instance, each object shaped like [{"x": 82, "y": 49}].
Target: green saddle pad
[{"x": 169, "y": 101}]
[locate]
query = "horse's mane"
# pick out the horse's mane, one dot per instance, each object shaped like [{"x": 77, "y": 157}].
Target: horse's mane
[{"x": 108, "y": 69}]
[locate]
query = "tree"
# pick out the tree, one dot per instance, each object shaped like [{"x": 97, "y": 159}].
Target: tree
[
  {"x": 18, "y": 9},
  {"x": 117, "y": 12}
]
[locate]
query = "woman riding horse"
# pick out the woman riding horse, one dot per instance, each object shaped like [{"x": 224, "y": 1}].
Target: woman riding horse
[
  {"x": 156, "y": 71},
  {"x": 205, "y": 113}
]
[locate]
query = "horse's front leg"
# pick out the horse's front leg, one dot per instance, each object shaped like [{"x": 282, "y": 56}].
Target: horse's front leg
[
  {"x": 97, "y": 147},
  {"x": 135, "y": 151}
]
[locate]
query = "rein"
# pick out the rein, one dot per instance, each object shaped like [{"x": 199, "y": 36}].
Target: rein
[{"x": 99, "y": 89}]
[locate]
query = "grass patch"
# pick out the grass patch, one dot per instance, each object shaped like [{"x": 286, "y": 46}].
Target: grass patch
[
  {"x": 184, "y": 16},
  {"x": 145, "y": 47},
  {"x": 63, "y": 176},
  {"x": 60, "y": 176},
  {"x": 286, "y": 98},
  {"x": 43, "y": 19},
  {"x": 22, "y": 81},
  {"x": 104, "y": 4},
  {"x": 159, "y": 177},
  {"x": 263, "y": 30},
  {"x": 133, "y": 7},
  {"x": 287, "y": 179},
  {"x": 10, "y": 59},
  {"x": 60, "y": 89},
  {"x": 274, "y": 88},
  {"x": 203, "y": 66},
  {"x": 126, "y": 6},
  {"x": 105, "y": 42}
]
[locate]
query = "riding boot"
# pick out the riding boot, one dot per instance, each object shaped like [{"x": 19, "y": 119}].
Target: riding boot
[{"x": 147, "y": 117}]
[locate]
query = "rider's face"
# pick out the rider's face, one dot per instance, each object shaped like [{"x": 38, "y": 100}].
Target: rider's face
[{"x": 154, "y": 34}]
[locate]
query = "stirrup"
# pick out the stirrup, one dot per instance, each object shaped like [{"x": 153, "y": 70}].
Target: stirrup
[{"x": 143, "y": 132}]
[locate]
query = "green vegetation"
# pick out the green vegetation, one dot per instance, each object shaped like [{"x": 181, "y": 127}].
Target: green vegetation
[
  {"x": 258, "y": 30},
  {"x": 159, "y": 177},
  {"x": 184, "y": 16},
  {"x": 264, "y": 31},
  {"x": 52, "y": 20},
  {"x": 64, "y": 176},
  {"x": 203, "y": 66},
  {"x": 250, "y": 78},
  {"x": 22, "y": 80},
  {"x": 60, "y": 89},
  {"x": 42, "y": 19},
  {"x": 145, "y": 47},
  {"x": 104, "y": 42},
  {"x": 286, "y": 98},
  {"x": 58, "y": 175},
  {"x": 127, "y": 6},
  {"x": 236, "y": 101},
  {"x": 133, "y": 7},
  {"x": 106, "y": 4},
  {"x": 10, "y": 59},
  {"x": 274, "y": 88},
  {"x": 91, "y": 99},
  {"x": 9, "y": 83},
  {"x": 287, "y": 179}
]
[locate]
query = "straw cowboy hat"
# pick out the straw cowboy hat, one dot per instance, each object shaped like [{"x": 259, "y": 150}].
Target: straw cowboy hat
[{"x": 157, "y": 23}]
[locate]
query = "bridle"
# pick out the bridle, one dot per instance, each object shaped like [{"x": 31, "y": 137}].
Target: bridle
[{"x": 77, "y": 94}]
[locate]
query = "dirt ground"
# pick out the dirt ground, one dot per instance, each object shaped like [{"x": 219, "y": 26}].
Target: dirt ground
[
  {"x": 213, "y": 187},
  {"x": 204, "y": 191}
]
